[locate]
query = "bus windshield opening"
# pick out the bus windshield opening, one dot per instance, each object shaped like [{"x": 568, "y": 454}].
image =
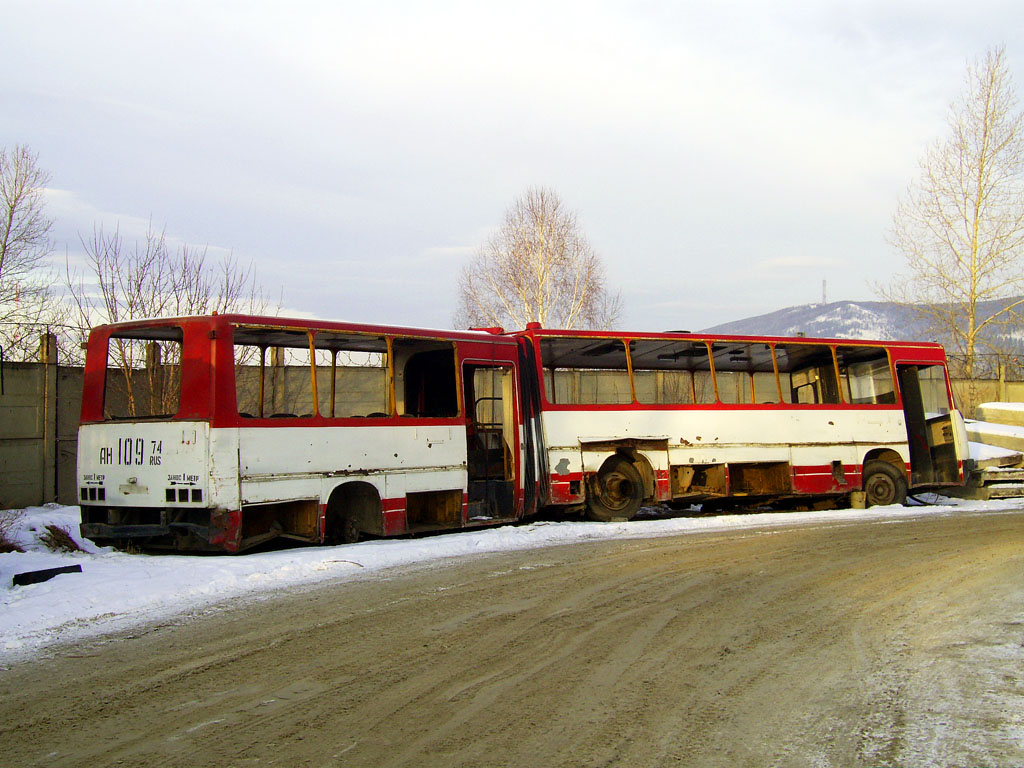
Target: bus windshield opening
[{"x": 143, "y": 374}]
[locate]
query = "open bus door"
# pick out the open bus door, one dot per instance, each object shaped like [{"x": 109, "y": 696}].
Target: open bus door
[
  {"x": 492, "y": 440},
  {"x": 931, "y": 426}
]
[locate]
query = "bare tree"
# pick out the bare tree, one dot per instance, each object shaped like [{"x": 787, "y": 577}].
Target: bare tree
[
  {"x": 538, "y": 267},
  {"x": 24, "y": 247},
  {"x": 960, "y": 225},
  {"x": 146, "y": 279}
]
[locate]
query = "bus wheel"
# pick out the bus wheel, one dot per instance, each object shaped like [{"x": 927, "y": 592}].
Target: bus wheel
[
  {"x": 350, "y": 529},
  {"x": 616, "y": 492},
  {"x": 884, "y": 484},
  {"x": 342, "y": 528}
]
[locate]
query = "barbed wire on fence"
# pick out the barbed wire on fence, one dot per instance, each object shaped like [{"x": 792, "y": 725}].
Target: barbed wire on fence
[
  {"x": 23, "y": 344},
  {"x": 988, "y": 366}
]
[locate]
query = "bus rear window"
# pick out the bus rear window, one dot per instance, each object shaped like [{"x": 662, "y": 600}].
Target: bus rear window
[{"x": 143, "y": 375}]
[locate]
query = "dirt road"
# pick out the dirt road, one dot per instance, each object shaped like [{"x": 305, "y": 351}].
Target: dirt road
[{"x": 895, "y": 643}]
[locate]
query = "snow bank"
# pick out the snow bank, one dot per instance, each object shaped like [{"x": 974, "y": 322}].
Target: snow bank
[{"x": 116, "y": 590}]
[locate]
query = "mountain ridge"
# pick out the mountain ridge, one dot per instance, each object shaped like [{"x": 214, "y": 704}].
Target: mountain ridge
[{"x": 880, "y": 320}]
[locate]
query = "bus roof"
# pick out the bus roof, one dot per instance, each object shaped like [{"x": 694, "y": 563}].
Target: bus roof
[
  {"x": 725, "y": 338},
  {"x": 491, "y": 334},
  {"x": 304, "y": 323}
]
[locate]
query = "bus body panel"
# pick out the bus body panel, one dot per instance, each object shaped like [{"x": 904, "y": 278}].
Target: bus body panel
[
  {"x": 224, "y": 481},
  {"x": 707, "y": 432},
  {"x": 808, "y": 440},
  {"x": 142, "y": 463},
  {"x": 273, "y": 461}
]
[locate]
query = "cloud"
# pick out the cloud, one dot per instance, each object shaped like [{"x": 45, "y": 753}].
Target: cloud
[
  {"x": 359, "y": 152},
  {"x": 77, "y": 220},
  {"x": 67, "y": 207},
  {"x": 796, "y": 262}
]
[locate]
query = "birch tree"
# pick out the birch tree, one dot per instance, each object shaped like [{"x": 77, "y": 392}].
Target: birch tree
[
  {"x": 25, "y": 302},
  {"x": 960, "y": 225},
  {"x": 538, "y": 267}
]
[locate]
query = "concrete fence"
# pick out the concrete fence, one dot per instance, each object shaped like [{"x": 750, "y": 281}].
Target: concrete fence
[
  {"x": 39, "y": 408},
  {"x": 971, "y": 392}
]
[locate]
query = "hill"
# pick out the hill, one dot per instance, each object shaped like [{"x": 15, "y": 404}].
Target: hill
[
  {"x": 838, "y": 319},
  {"x": 859, "y": 320}
]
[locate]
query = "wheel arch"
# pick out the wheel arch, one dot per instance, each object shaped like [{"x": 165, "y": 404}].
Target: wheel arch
[
  {"x": 884, "y": 483},
  {"x": 359, "y": 499},
  {"x": 620, "y": 485},
  {"x": 887, "y": 455}
]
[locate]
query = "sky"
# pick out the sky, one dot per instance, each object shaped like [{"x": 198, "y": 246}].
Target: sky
[{"x": 724, "y": 158}]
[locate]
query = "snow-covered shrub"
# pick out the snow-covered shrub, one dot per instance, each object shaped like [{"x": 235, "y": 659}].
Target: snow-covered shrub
[
  {"x": 58, "y": 539},
  {"x": 8, "y": 522}
]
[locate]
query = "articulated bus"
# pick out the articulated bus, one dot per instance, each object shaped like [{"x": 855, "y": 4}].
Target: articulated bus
[{"x": 223, "y": 432}]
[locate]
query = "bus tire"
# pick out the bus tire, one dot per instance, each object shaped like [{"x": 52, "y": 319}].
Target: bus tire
[
  {"x": 883, "y": 484},
  {"x": 342, "y": 528},
  {"x": 615, "y": 492}
]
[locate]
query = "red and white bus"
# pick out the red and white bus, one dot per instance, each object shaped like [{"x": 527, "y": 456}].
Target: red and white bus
[
  {"x": 222, "y": 432},
  {"x": 689, "y": 418}
]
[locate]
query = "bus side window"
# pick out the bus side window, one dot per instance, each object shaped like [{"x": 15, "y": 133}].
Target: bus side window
[
  {"x": 671, "y": 371},
  {"x": 766, "y": 389},
  {"x": 866, "y": 376},
  {"x": 586, "y": 371},
  {"x": 733, "y": 386},
  {"x": 273, "y": 373},
  {"x": 426, "y": 384},
  {"x": 744, "y": 373},
  {"x": 250, "y": 360},
  {"x": 807, "y": 374},
  {"x": 804, "y": 386},
  {"x": 352, "y": 375}
]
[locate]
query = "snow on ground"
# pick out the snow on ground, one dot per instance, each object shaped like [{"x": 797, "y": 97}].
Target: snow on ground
[{"x": 116, "y": 590}]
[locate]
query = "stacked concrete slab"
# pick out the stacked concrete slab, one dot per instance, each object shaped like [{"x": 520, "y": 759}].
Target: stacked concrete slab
[{"x": 996, "y": 474}]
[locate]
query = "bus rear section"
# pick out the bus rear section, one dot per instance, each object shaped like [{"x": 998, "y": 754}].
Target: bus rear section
[{"x": 221, "y": 433}]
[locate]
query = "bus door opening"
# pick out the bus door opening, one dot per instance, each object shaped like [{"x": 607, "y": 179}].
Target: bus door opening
[
  {"x": 490, "y": 441},
  {"x": 927, "y": 412}
]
